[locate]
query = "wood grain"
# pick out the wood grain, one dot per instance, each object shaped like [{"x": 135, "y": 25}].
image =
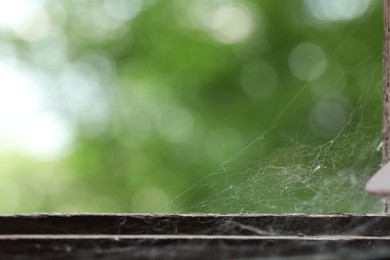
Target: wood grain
[{"x": 194, "y": 236}]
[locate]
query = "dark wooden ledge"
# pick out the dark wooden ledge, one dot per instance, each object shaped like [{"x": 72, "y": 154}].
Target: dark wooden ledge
[{"x": 135, "y": 236}]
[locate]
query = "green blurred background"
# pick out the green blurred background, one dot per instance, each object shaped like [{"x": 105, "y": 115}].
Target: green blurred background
[{"x": 189, "y": 105}]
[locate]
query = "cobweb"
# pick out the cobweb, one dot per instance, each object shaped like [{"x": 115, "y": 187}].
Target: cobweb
[{"x": 302, "y": 174}]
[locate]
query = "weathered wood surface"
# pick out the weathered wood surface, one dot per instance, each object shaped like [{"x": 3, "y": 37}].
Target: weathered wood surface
[
  {"x": 386, "y": 93},
  {"x": 125, "y": 236},
  {"x": 386, "y": 73},
  {"x": 166, "y": 247},
  {"x": 196, "y": 224}
]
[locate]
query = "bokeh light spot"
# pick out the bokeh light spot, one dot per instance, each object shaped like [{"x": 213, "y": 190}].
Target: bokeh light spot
[
  {"x": 336, "y": 10},
  {"x": 122, "y": 10},
  {"x": 25, "y": 122},
  {"x": 307, "y": 61},
  {"x": 329, "y": 116},
  {"x": 258, "y": 79},
  {"x": 175, "y": 124},
  {"x": 227, "y": 21}
]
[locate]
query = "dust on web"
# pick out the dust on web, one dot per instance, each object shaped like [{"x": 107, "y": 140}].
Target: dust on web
[{"x": 319, "y": 172}]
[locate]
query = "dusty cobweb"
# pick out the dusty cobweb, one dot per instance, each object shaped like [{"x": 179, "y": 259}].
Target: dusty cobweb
[{"x": 280, "y": 172}]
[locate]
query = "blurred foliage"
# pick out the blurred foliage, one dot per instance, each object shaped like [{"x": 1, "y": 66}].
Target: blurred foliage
[{"x": 160, "y": 93}]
